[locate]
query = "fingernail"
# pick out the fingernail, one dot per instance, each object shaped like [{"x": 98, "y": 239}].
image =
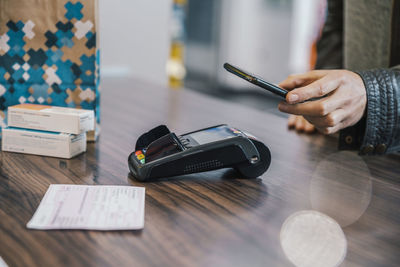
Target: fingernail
[
  {"x": 282, "y": 107},
  {"x": 293, "y": 97}
]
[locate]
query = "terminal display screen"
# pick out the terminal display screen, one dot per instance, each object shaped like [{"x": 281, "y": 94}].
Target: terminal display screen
[{"x": 213, "y": 134}]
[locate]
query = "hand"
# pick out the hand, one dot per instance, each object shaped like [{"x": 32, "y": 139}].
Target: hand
[
  {"x": 300, "y": 124},
  {"x": 342, "y": 98}
]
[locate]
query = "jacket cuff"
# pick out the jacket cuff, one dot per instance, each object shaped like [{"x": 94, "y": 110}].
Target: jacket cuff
[
  {"x": 351, "y": 138},
  {"x": 376, "y": 131}
]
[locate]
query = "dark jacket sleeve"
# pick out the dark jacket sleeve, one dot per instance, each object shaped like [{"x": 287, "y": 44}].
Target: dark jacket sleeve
[{"x": 379, "y": 131}]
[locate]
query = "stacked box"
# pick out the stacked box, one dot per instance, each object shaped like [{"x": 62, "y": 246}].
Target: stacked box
[
  {"x": 50, "y": 118},
  {"x": 53, "y": 144},
  {"x": 47, "y": 130}
]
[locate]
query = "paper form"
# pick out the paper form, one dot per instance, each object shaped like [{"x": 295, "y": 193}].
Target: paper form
[{"x": 90, "y": 207}]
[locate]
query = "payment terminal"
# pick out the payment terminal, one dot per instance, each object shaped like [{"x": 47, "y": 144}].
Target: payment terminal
[{"x": 160, "y": 153}]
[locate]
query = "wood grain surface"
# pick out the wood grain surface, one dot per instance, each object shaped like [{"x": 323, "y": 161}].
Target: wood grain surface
[{"x": 208, "y": 219}]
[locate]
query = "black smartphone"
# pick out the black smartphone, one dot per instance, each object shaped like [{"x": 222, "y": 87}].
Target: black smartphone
[{"x": 255, "y": 80}]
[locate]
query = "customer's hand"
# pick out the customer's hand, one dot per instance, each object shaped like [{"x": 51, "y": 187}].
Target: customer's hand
[
  {"x": 342, "y": 98},
  {"x": 300, "y": 124}
]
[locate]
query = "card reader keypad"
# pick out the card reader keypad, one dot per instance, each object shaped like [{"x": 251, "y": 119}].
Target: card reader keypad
[{"x": 140, "y": 156}]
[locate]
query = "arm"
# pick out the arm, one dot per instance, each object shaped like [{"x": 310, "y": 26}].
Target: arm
[
  {"x": 329, "y": 54},
  {"x": 342, "y": 105},
  {"x": 372, "y": 128},
  {"x": 378, "y": 132}
]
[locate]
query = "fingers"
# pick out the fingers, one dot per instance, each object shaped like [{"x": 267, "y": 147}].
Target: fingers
[
  {"x": 330, "y": 120},
  {"x": 304, "y": 79},
  {"x": 292, "y": 121},
  {"x": 309, "y": 128},
  {"x": 327, "y": 124},
  {"x": 292, "y": 82},
  {"x": 311, "y": 108},
  {"x": 333, "y": 129},
  {"x": 320, "y": 107},
  {"x": 316, "y": 89},
  {"x": 300, "y": 124}
]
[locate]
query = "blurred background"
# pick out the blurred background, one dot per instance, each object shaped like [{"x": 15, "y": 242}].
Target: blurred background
[{"x": 184, "y": 43}]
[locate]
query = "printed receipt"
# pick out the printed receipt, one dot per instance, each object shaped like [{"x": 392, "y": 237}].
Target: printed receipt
[{"x": 90, "y": 207}]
